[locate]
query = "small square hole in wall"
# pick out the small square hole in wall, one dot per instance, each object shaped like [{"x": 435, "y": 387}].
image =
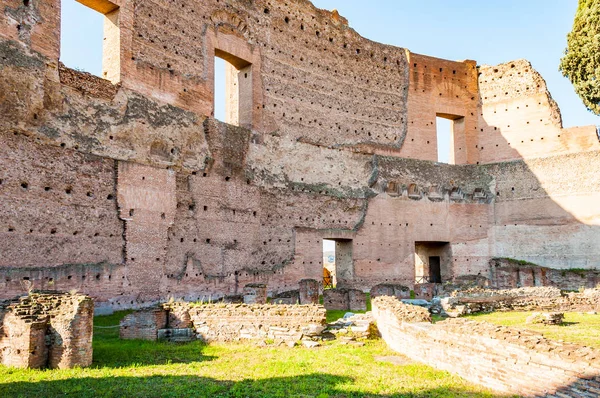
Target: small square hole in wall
[{"x": 90, "y": 37}]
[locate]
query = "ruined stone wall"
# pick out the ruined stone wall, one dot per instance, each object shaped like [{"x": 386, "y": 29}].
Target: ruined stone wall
[
  {"x": 504, "y": 359},
  {"x": 51, "y": 330},
  {"x": 236, "y": 322},
  {"x": 546, "y": 211},
  {"x": 508, "y": 274},
  {"x": 447, "y": 89},
  {"x": 167, "y": 202},
  {"x": 519, "y": 118},
  {"x": 227, "y": 322}
]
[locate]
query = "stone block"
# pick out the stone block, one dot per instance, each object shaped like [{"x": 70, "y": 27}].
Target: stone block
[
  {"x": 398, "y": 291},
  {"x": 255, "y": 293},
  {"x": 309, "y": 291},
  {"x": 345, "y": 299},
  {"x": 143, "y": 325}
]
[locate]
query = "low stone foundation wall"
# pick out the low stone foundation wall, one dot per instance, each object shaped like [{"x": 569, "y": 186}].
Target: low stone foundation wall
[
  {"x": 143, "y": 325},
  {"x": 227, "y": 322},
  {"x": 522, "y": 299},
  {"x": 507, "y": 274},
  {"x": 51, "y": 330},
  {"x": 501, "y": 358},
  {"x": 398, "y": 291},
  {"x": 238, "y": 322}
]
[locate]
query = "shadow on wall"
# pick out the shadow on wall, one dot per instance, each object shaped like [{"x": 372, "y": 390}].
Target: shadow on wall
[
  {"x": 546, "y": 209},
  {"x": 311, "y": 385}
]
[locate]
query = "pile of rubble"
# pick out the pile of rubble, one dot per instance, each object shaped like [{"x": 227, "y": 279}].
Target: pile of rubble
[{"x": 546, "y": 318}]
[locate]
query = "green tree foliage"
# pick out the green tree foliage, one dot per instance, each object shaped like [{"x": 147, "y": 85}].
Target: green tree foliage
[{"x": 581, "y": 62}]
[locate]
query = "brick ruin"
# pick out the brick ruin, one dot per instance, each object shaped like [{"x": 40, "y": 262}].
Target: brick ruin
[
  {"x": 224, "y": 322},
  {"x": 505, "y": 359},
  {"x": 46, "y": 330},
  {"x": 127, "y": 189}
]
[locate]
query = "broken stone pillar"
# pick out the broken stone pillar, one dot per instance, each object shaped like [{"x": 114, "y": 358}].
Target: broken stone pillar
[
  {"x": 357, "y": 300},
  {"x": 71, "y": 331},
  {"x": 344, "y": 299},
  {"x": 398, "y": 291},
  {"x": 23, "y": 342},
  {"x": 309, "y": 291},
  {"x": 47, "y": 330},
  {"x": 255, "y": 293}
]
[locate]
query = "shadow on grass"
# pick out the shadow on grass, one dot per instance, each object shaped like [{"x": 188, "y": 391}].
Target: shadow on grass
[
  {"x": 311, "y": 385},
  {"x": 569, "y": 323}
]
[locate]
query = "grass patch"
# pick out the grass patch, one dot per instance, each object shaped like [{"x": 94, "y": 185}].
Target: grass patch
[
  {"x": 149, "y": 369},
  {"x": 578, "y": 328}
]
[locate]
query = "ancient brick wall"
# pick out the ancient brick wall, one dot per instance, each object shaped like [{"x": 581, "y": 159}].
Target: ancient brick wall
[
  {"x": 167, "y": 202},
  {"x": 546, "y": 210},
  {"x": 519, "y": 118},
  {"x": 507, "y": 274},
  {"x": 234, "y": 322},
  {"x": 447, "y": 89},
  {"x": 47, "y": 330},
  {"x": 143, "y": 325},
  {"x": 504, "y": 359}
]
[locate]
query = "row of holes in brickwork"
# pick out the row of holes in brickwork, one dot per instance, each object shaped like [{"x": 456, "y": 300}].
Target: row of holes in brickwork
[
  {"x": 55, "y": 231},
  {"x": 97, "y": 277},
  {"x": 68, "y": 190},
  {"x": 508, "y": 93},
  {"x": 337, "y": 127},
  {"x": 192, "y": 207},
  {"x": 415, "y": 65},
  {"x": 319, "y": 95}
]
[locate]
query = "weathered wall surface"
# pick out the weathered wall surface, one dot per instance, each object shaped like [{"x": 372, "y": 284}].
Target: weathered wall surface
[
  {"x": 504, "y": 359},
  {"x": 149, "y": 197},
  {"x": 227, "y": 322},
  {"x": 546, "y": 210},
  {"x": 519, "y": 118},
  {"x": 51, "y": 330},
  {"x": 448, "y": 89}
]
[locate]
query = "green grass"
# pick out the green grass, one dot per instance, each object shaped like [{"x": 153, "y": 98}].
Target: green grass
[
  {"x": 578, "y": 328},
  {"x": 149, "y": 369}
]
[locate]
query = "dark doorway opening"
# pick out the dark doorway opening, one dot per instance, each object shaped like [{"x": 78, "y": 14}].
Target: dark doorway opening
[{"x": 435, "y": 275}]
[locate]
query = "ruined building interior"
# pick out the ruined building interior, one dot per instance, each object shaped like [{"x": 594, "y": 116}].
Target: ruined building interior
[{"x": 125, "y": 187}]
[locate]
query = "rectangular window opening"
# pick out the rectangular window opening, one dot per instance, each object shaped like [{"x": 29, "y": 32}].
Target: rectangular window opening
[
  {"x": 232, "y": 90},
  {"x": 90, "y": 38},
  {"x": 329, "y": 280},
  {"x": 444, "y": 139}
]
